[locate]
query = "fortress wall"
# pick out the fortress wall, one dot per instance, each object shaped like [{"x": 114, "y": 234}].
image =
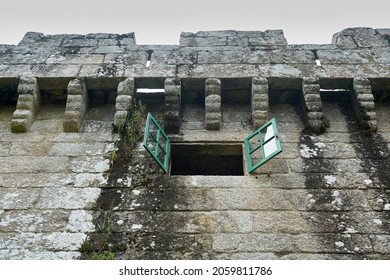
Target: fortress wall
[{"x": 326, "y": 196}]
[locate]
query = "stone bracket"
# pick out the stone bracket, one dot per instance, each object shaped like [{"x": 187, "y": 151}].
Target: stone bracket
[
  {"x": 313, "y": 105},
  {"x": 259, "y": 102},
  {"x": 76, "y": 105},
  {"x": 172, "y": 105},
  {"x": 28, "y": 104},
  {"x": 124, "y": 101},
  {"x": 364, "y": 104},
  {"x": 213, "y": 109}
]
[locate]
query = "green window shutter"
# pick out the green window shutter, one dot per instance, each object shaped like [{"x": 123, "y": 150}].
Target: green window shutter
[
  {"x": 157, "y": 143},
  {"x": 262, "y": 145}
]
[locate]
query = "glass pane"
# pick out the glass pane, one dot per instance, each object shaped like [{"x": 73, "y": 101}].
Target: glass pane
[
  {"x": 270, "y": 133},
  {"x": 270, "y": 147},
  {"x": 259, "y": 152}
]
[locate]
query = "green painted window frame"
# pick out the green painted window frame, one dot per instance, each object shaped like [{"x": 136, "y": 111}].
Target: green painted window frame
[
  {"x": 156, "y": 143},
  {"x": 253, "y": 164}
]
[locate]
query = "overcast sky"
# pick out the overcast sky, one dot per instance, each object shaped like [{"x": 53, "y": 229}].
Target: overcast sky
[{"x": 161, "y": 22}]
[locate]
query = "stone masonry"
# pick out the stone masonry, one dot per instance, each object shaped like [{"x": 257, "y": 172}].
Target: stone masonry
[{"x": 326, "y": 196}]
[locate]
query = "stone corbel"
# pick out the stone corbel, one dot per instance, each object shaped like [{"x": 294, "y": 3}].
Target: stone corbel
[
  {"x": 213, "y": 104},
  {"x": 124, "y": 101},
  {"x": 364, "y": 104},
  {"x": 172, "y": 105},
  {"x": 28, "y": 104},
  {"x": 76, "y": 105},
  {"x": 259, "y": 102},
  {"x": 313, "y": 105}
]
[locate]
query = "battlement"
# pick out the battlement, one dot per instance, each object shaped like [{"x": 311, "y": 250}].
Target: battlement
[{"x": 203, "y": 54}]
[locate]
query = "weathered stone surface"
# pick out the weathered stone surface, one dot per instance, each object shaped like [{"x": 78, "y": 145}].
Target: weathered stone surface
[
  {"x": 232, "y": 38},
  {"x": 381, "y": 243},
  {"x": 20, "y": 254},
  {"x": 78, "y": 149},
  {"x": 362, "y": 37},
  {"x": 33, "y": 164},
  {"x": 324, "y": 197},
  {"x": 253, "y": 243},
  {"x": 89, "y": 164},
  {"x": 56, "y": 241},
  {"x": 11, "y": 198},
  {"x": 80, "y": 198},
  {"x": 334, "y": 243},
  {"x": 293, "y": 222},
  {"x": 34, "y": 221}
]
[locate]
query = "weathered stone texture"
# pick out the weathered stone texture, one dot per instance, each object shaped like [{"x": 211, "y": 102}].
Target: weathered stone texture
[
  {"x": 326, "y": 196},
  {"x": 46, "y": 209},
  {"x": 232, "y": 38}
]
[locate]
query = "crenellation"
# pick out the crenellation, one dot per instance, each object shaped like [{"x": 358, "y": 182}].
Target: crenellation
[
  {"x": 362, "y": 37},
  {"x": 231, "y": 38}
]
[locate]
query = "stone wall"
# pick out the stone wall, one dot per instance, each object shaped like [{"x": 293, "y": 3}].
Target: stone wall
[{"x": 326, "y": 196}]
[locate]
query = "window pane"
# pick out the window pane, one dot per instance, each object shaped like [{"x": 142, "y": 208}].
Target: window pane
[
  {"x": 259, "y": 152},
  {"x": 271, "y": 146},
  {"x": 156, "y": 142}
]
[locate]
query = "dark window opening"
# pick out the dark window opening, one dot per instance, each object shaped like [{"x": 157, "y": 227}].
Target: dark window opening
[
  {"x": 102, "y": 97},
  {"x": 151, "y": 92},
  {"x": 8, "y": 98},
  {"x": 8, "y": 94},
  {"x": 337, "y": 90},
  {"x": 381, "y": 90},
  {"x": 336, "y": 84},
  {"x": 207, "y": 159},
  {"x": 193, "y": 103},
  {"x": 102, "y": 93},
  {"x": 285, "y": 91},
  {"x": 53, "y": 91},
  {"x": 236, "y": 103}
]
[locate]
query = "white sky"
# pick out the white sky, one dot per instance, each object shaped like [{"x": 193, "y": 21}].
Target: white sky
[{"x": 161, "y": 22}]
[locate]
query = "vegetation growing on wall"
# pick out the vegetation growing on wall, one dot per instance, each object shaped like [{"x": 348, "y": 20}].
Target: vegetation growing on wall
[{"x": 97, "y": 246}]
